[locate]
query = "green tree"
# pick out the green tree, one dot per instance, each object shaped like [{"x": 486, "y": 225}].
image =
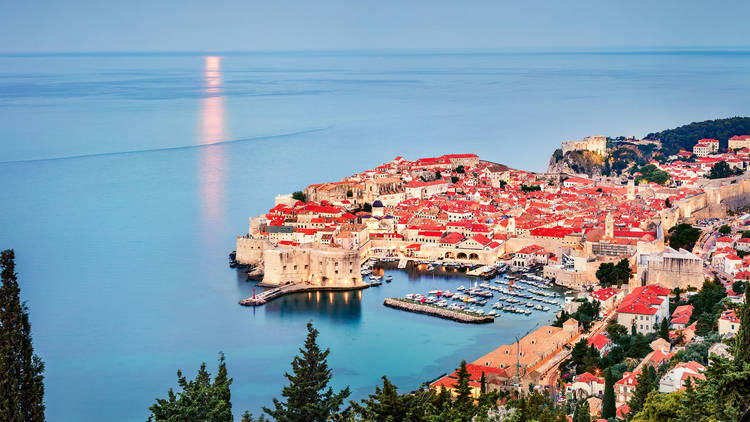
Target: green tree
[
  {"x": 459, "y": 169},
  {"x": 721, "y": 170},
  {"x": 725, "y": 229},
  {"x": 647, "y": 381},
  {"x": 615, "y": 331},
  {"x": 464, "y": 402},
  {"x": 608, "y": 401},
  {"x": 667, "y": 203},
  {"x": 664, "y": 329},
  {"x": 661, "y": 408},
  {"x": 683, "y": 236},
  {"x": 610, "y": 273},
  {"x": 742, "y": 339},
  {"x": 582, "y": 412},
  {"x": 738, "y": 287},
  {"x": 299, "y": 196},
  {"x": 367, "y": 207},
  {"x": 199, "y": 400},
  {"x": 21, "y": 371},
  {"x": 308, "y": 396},
  {"x": 383, "y": 406}
]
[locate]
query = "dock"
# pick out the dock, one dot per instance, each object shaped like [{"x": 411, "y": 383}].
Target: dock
[
  {"x": 273, "y": 293},
  {"x": 458, "y": 316}
]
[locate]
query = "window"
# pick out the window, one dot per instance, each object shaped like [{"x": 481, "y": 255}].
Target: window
[{"x": 284, "y": 267}]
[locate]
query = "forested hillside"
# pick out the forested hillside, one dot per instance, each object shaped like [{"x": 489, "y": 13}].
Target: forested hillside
[{"x": 684, "y": 137}]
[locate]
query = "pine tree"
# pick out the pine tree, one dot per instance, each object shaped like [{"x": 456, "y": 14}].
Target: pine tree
[
  {"x": 308, "y": 396},
  {"x": 664, "y": 329},
  {"x": 385, "y": 405},
  {"x": 199, "y": 399},
  {"x": 608, "y": 401},
  {"x": 690, "y": 404},
  {"x": 582, "y": 412},
  {"x": 742, "y": 339},
  {"x": 464, "y": 403},
  {"x": 21, "y": 379}
]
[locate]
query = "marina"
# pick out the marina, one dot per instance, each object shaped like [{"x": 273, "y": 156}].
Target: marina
[{"x": 500, "y": 292}]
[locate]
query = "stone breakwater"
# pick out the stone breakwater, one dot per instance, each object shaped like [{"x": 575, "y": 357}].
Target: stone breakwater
[
  {"x": 418, "y": 308},
  {"x": 275, "y": 292}
]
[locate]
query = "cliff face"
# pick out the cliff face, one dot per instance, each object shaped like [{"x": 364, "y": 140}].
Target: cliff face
[{"x": 576, "y": 162}]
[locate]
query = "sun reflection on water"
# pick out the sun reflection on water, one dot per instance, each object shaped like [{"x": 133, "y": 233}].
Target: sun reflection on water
[{"x": 212, "y": 131}]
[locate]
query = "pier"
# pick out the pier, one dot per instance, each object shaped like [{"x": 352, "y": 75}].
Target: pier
[
  {"x": 270, "y": 294},
  {"x": 459, "y": 316}
]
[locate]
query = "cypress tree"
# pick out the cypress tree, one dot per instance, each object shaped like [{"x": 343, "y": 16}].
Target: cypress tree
[
  {"x": 464, "y": 402},
  {"x": 21, "y": 379},
  {"x": 742, "y": 339},
  {"x": 664, "y": 329},
  {"x": 608, "y": 401},
  {"x": 308, "y": 396},
  {"x": 483, "y": 384}
]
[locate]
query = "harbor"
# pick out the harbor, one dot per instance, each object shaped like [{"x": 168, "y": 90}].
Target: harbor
[
  {"x": 478, "y": 293},
  {"x": 500, "y": 291}
]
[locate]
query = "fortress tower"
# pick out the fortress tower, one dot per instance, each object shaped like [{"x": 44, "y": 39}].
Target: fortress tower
[
  {"x": 609, "y": 227},
  {"x": 631, "y": 189}
]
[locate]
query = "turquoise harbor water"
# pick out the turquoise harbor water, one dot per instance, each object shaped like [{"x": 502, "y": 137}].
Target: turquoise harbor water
[{"x": 127, "y": 178}]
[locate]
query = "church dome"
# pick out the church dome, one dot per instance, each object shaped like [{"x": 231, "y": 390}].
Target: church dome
[{"x": 377, "y": 204}]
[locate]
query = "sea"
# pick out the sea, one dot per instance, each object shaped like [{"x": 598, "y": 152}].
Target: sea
[{"x": 127, "y": 177}]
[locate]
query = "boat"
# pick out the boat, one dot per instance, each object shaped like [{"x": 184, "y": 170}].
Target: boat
[
  {"x": 376, "y": 283},
  {"x": 461, "y": 288},
  {"x": 388, "y": 279}
]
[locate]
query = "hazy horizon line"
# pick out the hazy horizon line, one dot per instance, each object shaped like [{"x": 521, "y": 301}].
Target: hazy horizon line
[{"x": 404, "y": 50}]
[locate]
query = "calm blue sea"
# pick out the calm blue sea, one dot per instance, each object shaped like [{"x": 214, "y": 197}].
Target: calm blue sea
[{"x": 127, "y": 177}]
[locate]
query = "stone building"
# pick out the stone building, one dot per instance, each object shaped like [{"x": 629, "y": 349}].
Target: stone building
[
  {"x": 596, "y": 144},
  {"x": 670, "y": 268},
  {"x": 315, "y": 265}
]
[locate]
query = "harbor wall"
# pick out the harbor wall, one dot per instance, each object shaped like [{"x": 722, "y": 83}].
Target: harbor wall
[
  {"x": 438, "y": 312},
  {"x": 713, "y": 202}
]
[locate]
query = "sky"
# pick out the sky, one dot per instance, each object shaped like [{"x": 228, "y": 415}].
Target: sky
[{"x": 54, "y": 26}]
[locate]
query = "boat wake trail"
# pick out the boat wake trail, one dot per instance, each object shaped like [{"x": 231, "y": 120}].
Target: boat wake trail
[{"x": 182, "y": 147}]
